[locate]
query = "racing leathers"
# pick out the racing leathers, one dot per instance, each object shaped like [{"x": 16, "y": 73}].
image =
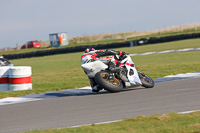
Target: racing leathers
[{"x": 95, "y": 55}]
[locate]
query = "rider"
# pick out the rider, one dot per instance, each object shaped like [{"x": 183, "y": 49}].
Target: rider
[{"x": 96, "y": 54}]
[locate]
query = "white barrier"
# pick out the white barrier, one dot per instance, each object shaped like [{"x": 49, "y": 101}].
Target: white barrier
[
  {"x": 4, "y": 71},
  {"x": 20, "y": 78},
  {"x": 15, "y": 78}
]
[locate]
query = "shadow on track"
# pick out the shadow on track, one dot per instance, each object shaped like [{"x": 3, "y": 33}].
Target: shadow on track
[
  {"x": 83, "y": 92},
  {"x": 54, "y": 94}
]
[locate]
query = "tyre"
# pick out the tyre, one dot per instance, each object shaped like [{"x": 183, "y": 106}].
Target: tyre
[
  {"x": 147, "y": 81},
  {"x": 112, "y": 85}
]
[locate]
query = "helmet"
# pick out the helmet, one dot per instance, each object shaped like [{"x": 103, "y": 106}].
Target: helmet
[{"x": 89, "y": 50}]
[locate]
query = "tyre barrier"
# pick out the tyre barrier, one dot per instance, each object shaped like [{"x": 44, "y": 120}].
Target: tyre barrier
[
  {"x": 15, "y": 78},
  {"x": 153, "y": 40},
  {"x": 142, "y": 41}
]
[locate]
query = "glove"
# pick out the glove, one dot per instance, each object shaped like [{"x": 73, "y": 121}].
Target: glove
[{"x": 122, "y": 55}]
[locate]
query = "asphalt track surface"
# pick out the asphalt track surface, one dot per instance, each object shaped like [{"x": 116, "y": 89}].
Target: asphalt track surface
[{"x": 66, "y": 111}]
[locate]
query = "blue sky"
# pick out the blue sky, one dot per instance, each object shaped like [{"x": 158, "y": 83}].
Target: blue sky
[{"x": 25, "y": 20}]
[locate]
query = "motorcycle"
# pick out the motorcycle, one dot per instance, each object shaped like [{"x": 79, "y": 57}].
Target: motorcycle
[{"x": 126, "y": 76}]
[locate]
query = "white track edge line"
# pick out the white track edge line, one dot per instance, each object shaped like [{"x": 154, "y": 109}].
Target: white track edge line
[{"x": 107, "y": 122}]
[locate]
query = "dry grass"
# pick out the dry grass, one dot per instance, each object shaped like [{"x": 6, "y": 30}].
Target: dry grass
[
  {"x": 163, "y": 117},
  {"x": 44, "y": 44},
  {"x": 109, "y": 36},
  {"x": 196, "y": 125}
]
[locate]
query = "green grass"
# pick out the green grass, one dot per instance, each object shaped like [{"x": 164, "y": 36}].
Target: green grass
[
  {"x": 58, "y": 72},
  {"x": 170, "y": 123},
  {"x": 190, "y": 43}
]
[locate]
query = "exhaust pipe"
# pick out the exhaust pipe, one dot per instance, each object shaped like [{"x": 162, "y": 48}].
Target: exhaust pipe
[{"x": 123, "y": 77}]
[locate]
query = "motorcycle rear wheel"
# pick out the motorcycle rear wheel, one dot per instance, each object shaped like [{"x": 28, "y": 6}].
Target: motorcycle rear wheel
[
  {"x": 147, "y": 81},
  {"x": 111, "y": 85}
]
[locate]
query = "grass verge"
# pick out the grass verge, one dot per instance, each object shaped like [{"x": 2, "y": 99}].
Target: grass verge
[
  {"x": 58, "y": 72},
  {"x": 170, "y": 123}
]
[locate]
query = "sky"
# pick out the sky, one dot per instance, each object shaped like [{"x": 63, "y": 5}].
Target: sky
[{"x": 26, "y": 20}]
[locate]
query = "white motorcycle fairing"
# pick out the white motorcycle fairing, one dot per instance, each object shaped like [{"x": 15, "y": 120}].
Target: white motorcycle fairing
[
  {"x": 92, "y": 68},
  {"x": 134, "y": 79}
]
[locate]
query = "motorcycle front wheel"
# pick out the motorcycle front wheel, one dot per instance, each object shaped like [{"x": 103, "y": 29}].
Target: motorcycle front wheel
[
  {"x": 112, "y": 85},
  {"x": 147, "y": 81}
]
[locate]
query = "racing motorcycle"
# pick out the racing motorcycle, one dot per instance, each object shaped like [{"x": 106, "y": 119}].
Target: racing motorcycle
[{"x": 126, "y": 76}]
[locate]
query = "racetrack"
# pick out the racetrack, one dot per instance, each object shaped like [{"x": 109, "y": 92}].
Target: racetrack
[{"x": 65, "y": 111}]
